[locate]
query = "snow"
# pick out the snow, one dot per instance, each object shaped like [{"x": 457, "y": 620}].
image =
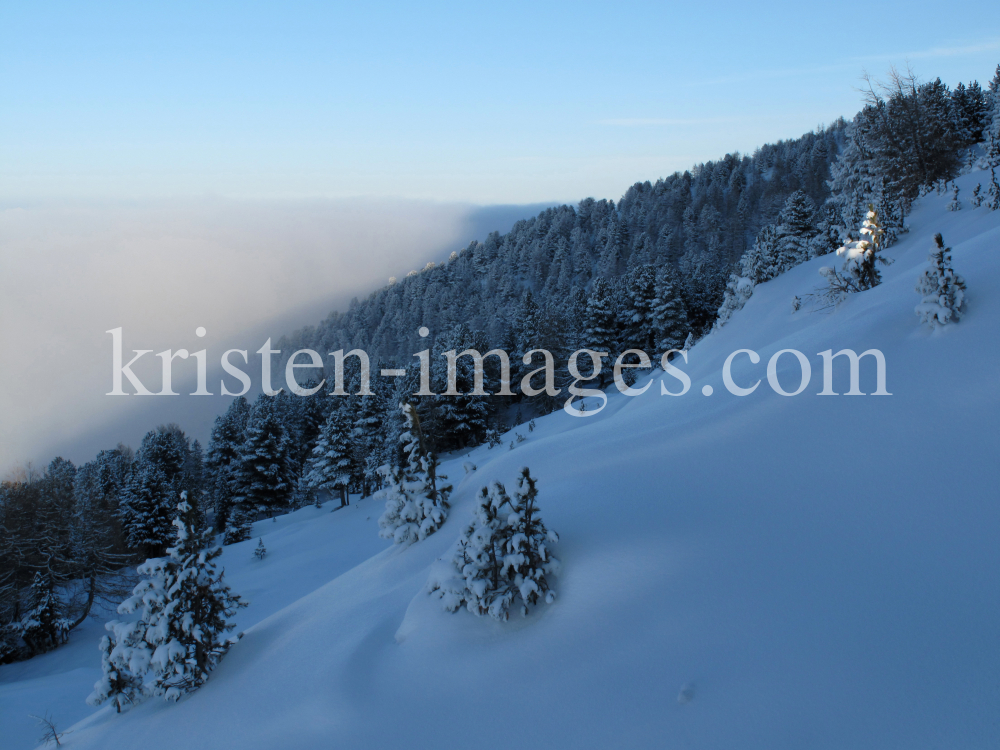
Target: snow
[{"x": 755, "y": 572}]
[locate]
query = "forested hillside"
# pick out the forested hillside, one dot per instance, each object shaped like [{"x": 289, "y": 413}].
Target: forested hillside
[{"x": 657, "y": 270}]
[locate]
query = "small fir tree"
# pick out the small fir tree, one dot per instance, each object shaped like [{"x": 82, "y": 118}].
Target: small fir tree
[
  {"x": 41, "y": 626},
  {"x": 416, "y": 502},
  {"x": 124, "y": 660},
  {"x": 333, "y": 462},
  {"x": 942, "y": 290},
  {"x": 955, "y": 204},
  {"x": 502, "y": 556},
  {"x": 186, "y": 608}
]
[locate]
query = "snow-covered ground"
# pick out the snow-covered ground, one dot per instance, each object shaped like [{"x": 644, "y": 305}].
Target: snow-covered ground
[{"x": 756, "y": 572}]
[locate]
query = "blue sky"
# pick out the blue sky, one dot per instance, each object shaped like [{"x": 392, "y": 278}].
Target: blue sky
[{"x": 462, "y": 101}]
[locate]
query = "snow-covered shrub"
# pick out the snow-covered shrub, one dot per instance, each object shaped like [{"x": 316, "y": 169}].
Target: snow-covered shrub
[
  {"x": 415, "y": 506},
  {"x": 502, "y": 556},
  {"x": 261, "y": 552},
  {"x": 941, "y": 289}
]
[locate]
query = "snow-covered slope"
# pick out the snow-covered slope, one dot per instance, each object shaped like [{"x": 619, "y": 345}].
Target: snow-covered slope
[{"x": 811, "y": 571}]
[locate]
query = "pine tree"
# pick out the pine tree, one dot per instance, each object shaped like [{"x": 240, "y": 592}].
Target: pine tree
[
  {"x": 228, "y": 435},
  {"x": 639, "y": 330},
  {"x": 416, "y": 504},
  {"x": 262, "y": 479},
  {"x": 41, "y": 626},
  {"x": 186, "y": 608},
  {"x": 738, "y": 290},
  {"x": 479, "y": 584},
  {"x": 369, "y": 434},
  {"x": 941, "y": 289},
  {"x": 600, "y": 332},
  {"x": 861, "y": 261},
  {"x": 124, "y": 661},
  {"x": 669, "y": 321},
  {"x": 796, "y": 226},
  {"x": 977, "y": 199},
  {"x": 462, "y": 420},
  {"x": 332, "y": 466},
  {"x": 146, "y": 509},
  {"x": 955, "y": 204},
  {"x": 527, "y": 561},
  {"x": 502, "y": 556}
]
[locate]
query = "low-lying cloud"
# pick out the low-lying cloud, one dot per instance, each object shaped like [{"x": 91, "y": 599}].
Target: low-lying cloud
[{"x": 245, "y": 270}]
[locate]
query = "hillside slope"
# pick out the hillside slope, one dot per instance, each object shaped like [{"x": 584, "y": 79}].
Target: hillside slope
[{"x": 814, "y": 572}]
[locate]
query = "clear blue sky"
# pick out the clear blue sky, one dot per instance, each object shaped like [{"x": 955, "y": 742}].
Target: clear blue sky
[{"x": 465, "y": 101}]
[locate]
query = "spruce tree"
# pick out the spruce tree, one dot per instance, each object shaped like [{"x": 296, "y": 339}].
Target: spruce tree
[
  {"x": 263, "y": 477},
  {"x": 333, "y": 464},
  {"x": 41, "y": 626},
  {"x": 416, "y": 499},
  {"x": 641, "y": 298},
  {"x": 861, "y": 260},
  {"x": 124, "y": 661},
  {"x": 942, "y": 290},
  {"x": 526, "y": 557},
  {"x": 227, "y": 437},
  {"x": 600, "y": 332},
  {"x": 479, "y": 584},
  {"x": 502, "y": 556},
  {"x": 796, "y": 227},
  {"x": 955, "y": 204},
  {"x": 669, "y": 323},
  {"x": 186, "y": 609},
  {"x": 158, "y": 476}
]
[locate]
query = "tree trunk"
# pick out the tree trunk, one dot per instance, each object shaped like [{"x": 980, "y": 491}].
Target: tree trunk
[{"x": 90, "y": 601}]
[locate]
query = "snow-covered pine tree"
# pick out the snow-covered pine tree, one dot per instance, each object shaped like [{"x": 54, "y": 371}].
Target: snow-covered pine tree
[
  {"x": 828, "y": 232},
  {"x": 461, "y": 420},
  {"x": 527, "y": 562},
  {"x": 796, "y": 227},
  {"x": 669, "y": 321},
  {"x": 124, "y": 660},
  {"x": 333, "y": 462},
  {"x": 639, "y": 330},
  {"x": 861, "y": 261},
  {"x": 955, "y": 204},
  {"x": 262, "y": 478},
  {"x": 228, "y": 435},
  {"x": 739, "y": 289},
  {"x": 600, "y": 328},
  {"x": 416, "y": 500},
  {"x": 502, "y": 555},
  {"x": 941, "y": 289},
  {"x": 479, "y": 585},
  {"x": 261, "y": 551},
  {"x": 186, "y": 608},
  {"x": 40, "y": 626},
  {"x": 369, "y": 433},
  {"x": 147, "y": 503},
  {"x": 977, "y": 199},
  {"x": 761, "y": 262}
]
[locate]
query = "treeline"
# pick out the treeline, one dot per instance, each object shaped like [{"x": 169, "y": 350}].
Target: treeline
[{"x": 653, "y": 271}]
